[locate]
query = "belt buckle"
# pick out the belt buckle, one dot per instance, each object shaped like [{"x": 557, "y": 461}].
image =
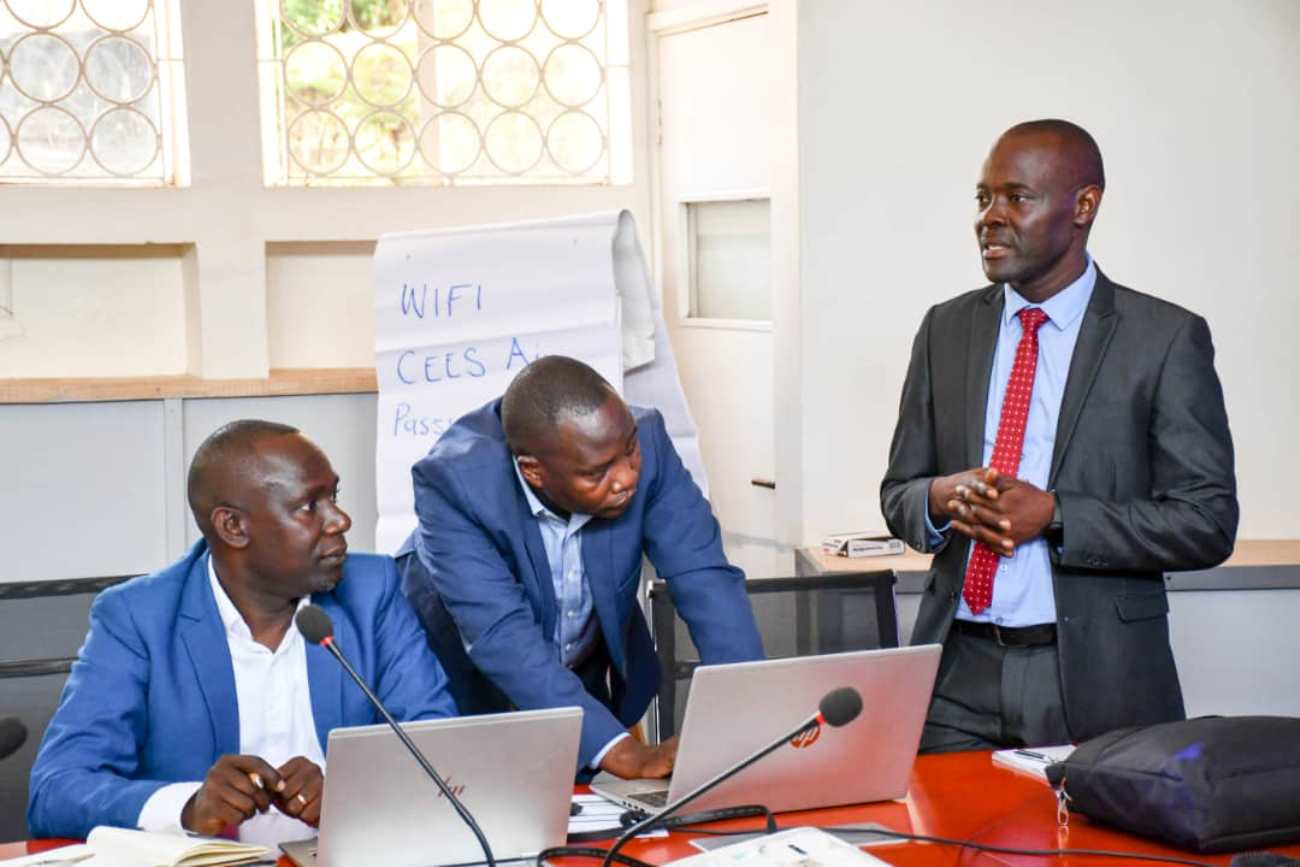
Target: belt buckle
[{"x": 997, "y": 635}]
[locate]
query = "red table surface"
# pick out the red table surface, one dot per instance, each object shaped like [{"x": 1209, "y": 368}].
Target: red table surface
[{"x": 960, "y": 795}]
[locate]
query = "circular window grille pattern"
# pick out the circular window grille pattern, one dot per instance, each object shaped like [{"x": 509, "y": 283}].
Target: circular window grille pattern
[
  {"x": 118, "y": 69},
  {"x": 385, "y": 143},
  {"x": 576, "y": 142},
  {"x": 447, "y": 76},
  {"x": 51, "y": 140},
  {"x": 571, "y": 19},
  {"x": 45, "y": 67},
  {"x": 41, "y": 14},
  {"x": 451, "y": 143},
  {"x": 124, "y": 142},
  {"x": 382, "y": 75},
  {"x": 445, "y": 90},
  {"x": 6, "y": 141},
  {"x": 510, "y": 76},
  {"x": 79, "y": 91},
  {"x": 508, "y": 20},
  {"x": 319, "y": 142},
  {"x": 116, "y": 16},
  {"x": 315, "y": 73},
  {"x": 444, "y": 19}
]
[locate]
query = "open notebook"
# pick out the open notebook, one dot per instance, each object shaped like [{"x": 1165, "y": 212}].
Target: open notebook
[{"x": 123, "y": 847}]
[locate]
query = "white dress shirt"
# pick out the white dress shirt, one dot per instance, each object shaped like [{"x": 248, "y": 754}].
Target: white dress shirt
[{"x": 275, "y": 723}]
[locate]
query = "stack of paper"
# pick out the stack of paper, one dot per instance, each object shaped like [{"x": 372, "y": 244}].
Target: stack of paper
[{"x": 1032, "y": 760}]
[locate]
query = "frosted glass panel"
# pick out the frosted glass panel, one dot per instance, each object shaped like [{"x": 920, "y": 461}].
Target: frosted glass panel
[{"x": 730, "y": 259}]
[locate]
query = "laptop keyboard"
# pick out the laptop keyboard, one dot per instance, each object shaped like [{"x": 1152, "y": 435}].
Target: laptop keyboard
[{"x": 654, "y": 799}]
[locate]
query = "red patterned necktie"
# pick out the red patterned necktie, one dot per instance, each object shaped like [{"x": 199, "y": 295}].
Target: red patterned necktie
[{"x": 978, "y": 587}]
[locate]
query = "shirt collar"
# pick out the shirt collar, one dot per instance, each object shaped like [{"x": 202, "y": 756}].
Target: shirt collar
[
  {"x": 538, "y": 509},
  {"x": 1062, "y": 308},
  {"x": 231, "y": 619}
]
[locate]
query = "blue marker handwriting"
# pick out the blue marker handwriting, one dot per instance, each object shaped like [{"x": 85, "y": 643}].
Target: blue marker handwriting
[{"x": 455, "y": 298}]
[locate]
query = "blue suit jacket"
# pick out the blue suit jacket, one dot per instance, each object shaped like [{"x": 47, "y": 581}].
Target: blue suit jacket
[
  {"x": 483, "y": 582},
  {"x": 151, "y": 697}
]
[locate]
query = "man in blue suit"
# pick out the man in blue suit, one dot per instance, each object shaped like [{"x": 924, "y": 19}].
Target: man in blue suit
[
  {"x": 535, "y": 511},
  {"x": 194, "y": 702}
]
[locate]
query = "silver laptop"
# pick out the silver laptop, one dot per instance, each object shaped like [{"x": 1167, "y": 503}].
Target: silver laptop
[
  {"x": 512, "y": 771},
  {"x": 733, "y": 710}
]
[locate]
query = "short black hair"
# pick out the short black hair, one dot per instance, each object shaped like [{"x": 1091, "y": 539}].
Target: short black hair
[
  {"x": 1077, "y": 142},
  {"x": 213, "y": 470},
  {"x": 546, "y": 392}
]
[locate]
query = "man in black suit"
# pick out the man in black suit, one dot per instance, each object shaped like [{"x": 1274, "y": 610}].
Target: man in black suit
[{"x": 1061, "y": 443}]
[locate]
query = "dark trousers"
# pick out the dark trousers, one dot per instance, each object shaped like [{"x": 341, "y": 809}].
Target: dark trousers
[{"x": 987, "y": 696}]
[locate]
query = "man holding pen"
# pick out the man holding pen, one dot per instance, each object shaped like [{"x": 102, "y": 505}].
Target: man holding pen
[{"x": 194, "y": 703}]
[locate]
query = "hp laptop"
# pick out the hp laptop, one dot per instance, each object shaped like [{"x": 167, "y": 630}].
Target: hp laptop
[
  {"x": 733, "y": 710},
  {"x": 512, "y": 771}
]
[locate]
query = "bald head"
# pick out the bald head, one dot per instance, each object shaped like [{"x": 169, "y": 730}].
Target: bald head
[
  {"x": 1075, "y": 149},
  {"x": 549, "y": 392},
  {"x": 225, "y": 464}
]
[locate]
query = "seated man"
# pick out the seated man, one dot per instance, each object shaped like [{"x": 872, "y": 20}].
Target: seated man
[
  {"x": 194, "y": 702},
  {"x": 534, "y": 512}
]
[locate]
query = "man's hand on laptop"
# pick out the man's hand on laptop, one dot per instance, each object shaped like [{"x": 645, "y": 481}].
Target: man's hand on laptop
[
  {"x": 235, "y": 789},
  {"x": 631, "y": 759}
]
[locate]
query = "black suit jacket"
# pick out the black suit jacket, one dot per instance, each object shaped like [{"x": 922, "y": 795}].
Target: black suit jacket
[{"x": 1142, "y": 467}]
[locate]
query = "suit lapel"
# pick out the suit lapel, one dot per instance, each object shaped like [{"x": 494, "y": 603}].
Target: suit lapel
[
  {"x": 1098, "y": 327},
  {"x": 325, "y": 675},
  {"x": 979, "y": 366},
  {"x": 598, "y": 565},
  {"x": 544, "y": 583},
  {"x": 209, "y": 652}
]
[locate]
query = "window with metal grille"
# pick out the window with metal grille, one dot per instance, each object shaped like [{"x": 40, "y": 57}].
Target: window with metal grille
[
  {"x": 445, "y": 92},
  {"x": 91, "y": 91}
]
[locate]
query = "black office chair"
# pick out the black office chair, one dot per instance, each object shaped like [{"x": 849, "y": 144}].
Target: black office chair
[
  {"x": 797, "y": 617},
  {"x": 43, "y": 622}
]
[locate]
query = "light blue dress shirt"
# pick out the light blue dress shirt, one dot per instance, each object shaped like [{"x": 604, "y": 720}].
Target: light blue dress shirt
[
  {"x": 575, "y": 627},
  {"x": 1022, "y": 587}
]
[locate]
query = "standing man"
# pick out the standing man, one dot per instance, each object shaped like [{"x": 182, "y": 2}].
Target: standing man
[
  {"x": 1061, "y": 443},
  {"x": 194, "y": 702},
  {"x": 535, "y": 512}
]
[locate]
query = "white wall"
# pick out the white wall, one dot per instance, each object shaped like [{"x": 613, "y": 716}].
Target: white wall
[{"x": 1196, "y": 106}]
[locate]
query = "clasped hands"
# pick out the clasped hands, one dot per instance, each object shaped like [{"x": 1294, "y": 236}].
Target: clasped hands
[
  {"x": 238, "y": 787},
  {"x": 988, "y": 507}
]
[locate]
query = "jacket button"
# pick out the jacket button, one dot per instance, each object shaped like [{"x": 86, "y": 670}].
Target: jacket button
[{"x": 952, "y": 595}]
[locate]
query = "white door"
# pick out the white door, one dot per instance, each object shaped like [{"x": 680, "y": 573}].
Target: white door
[{"x": 715, "y": 169}]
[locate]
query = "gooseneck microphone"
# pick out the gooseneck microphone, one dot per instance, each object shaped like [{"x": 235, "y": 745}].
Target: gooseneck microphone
[
  {"x": 316, "y": 626},
  {"x": 838, "y": 707},
  {"x": 13, "y": 734}
]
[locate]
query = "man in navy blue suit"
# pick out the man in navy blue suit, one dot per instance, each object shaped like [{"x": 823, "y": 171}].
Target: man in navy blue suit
[
  {"x": 535, "y": 511},
  {"x": 195, "y": 703}
]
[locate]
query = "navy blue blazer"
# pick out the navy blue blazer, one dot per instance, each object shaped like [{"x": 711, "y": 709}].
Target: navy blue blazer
[
  {"x": 482, "y": 583},
  {"x": 151, "y": 697}
]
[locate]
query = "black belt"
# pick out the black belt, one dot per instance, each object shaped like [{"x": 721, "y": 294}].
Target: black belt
[{"x": 1009, "y": 636}]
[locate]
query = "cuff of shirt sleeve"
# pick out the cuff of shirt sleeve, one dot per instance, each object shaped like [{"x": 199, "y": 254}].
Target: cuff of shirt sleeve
[
  {"x": 162, "y": 812},
  {"x": 934, "y": 534},
  {"x": 594, "y": 764}
]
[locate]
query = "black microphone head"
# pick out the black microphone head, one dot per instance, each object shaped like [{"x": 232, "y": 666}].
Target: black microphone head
[
  {"x": 316, "y": 626},
  {"x": 13, "y": 734},
  {"x": 840, "y": 706}
]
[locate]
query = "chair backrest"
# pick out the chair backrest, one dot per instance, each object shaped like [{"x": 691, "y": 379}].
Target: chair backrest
[
  {"x": 799, "y": 616},
  {"x": 43, "y": 624}
]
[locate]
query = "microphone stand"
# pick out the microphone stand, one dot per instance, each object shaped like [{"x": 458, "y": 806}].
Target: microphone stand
[
  {"x": 813, "y": 722},
  {"x": 328, "y": 644}
]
